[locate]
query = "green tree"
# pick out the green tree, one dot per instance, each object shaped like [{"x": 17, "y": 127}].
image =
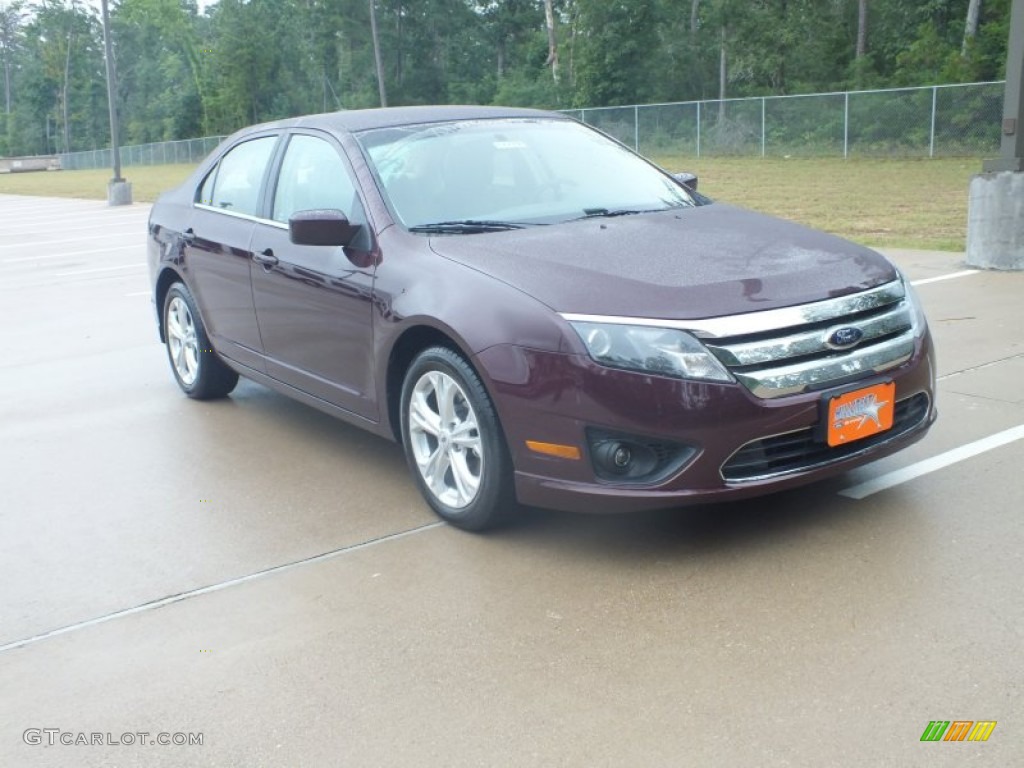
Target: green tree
[
  {"x": 185, "y": 73},
  {"x": 11, "y": 17},
  {"x": 616, "y": 57},
  {"x": 58, "y": 99},
  {"x": 160, "y": 63}
]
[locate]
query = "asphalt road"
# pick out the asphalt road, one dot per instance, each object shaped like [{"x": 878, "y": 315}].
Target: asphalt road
[{"x": 267, "y": 579}]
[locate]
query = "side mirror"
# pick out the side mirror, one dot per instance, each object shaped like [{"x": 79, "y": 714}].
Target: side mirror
[
  {"x": 327, "y": 226},
  {"x": 689, "y": 180}
]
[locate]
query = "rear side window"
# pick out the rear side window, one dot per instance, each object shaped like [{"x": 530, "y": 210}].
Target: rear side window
[
  {"x": 205, "y": 196},
  {"x": 234, "y": 185}
]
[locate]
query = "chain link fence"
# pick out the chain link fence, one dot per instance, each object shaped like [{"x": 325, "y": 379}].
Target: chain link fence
[
  {"x": 933, "y": 121},
  {"x": 160, "y": 153}
]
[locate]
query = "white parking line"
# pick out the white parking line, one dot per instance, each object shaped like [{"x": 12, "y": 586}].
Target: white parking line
[
  {"x": 217, "y": 587},
  {"x": 41, "y": 203},
  {"x": 980, "y": 367},
  {"x": 99, "y": 269},
  {"x": 41, "y": 219},
  {"x": 888, "y": 480},
  {"x": 65, "y": 254},
  {"x": 125, "y": 227},
  {"x": 54, "y": 242},
  {"x": 950, "y": 276}
]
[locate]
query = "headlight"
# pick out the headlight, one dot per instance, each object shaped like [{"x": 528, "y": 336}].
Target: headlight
[
  {"x": 661, "y": 351},
  {"x": 918, "y": 322}
]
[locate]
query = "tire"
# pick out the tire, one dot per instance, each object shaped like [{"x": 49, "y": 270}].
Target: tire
[
  {"x": 462, "y": 468},
  {"x": 197, "y": 369}
]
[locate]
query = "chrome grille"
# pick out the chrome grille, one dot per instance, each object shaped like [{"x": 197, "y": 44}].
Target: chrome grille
[{"x": 787, "y": 351}]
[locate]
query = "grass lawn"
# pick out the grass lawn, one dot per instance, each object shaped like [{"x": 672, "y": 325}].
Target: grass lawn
[
  {"x": 895, "y": 203},
  {"x": 147, "y": 181}
]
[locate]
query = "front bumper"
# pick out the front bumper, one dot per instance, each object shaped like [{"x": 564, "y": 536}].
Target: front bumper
[{"x": 554, "y": 398}]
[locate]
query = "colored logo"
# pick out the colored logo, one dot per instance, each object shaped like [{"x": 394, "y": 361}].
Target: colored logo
[
  {"x": 861, "y": 413},
  {"x": 841, "y": 338},
  {"x": 958, "y": 730}
]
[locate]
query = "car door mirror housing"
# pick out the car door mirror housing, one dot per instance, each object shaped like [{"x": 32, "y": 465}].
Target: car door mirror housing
[
  {"x": 689, "y": 180},
  {"x": 327, "y": 226}
]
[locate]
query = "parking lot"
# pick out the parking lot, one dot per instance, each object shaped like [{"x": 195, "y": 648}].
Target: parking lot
[{"x": 255, "y": 572}]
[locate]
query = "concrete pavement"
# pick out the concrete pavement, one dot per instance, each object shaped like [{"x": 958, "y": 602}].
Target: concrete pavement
[{"x": 252, "y": 571}]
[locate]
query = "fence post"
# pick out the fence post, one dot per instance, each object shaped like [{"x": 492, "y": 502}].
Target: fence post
[
  {"x": 636, "y": 128},
  {"x": 931, "y": 133},
  {"x": 846, "y": 124},
  {"x": 698, "y": 129},
  {"x": 762, "y": 126}
]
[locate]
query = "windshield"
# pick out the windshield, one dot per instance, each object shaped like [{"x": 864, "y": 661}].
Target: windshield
[{"x": 481, "y": 175}]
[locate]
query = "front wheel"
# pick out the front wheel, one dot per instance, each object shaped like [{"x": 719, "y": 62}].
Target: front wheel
[
  {"x": 196, "y": 367},
  {"x": 454, "y": 443}
]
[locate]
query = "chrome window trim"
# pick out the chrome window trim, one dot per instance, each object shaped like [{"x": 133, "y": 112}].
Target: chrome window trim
[
  {"x": 767, "y": 320},
  {"x": 237, "y": 215}
]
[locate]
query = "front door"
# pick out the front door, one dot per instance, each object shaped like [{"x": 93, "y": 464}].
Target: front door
[{"x": 313, "y": 304}]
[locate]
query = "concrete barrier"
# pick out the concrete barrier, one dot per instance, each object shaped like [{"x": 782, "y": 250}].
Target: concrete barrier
[
  {"x": 995, "y": 221},
  {"x": 24, "y": 164}
]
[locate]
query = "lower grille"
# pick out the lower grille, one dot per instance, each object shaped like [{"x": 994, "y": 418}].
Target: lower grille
[{"x": 800, "y": 450}]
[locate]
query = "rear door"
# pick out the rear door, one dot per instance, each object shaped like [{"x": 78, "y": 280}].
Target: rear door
[
  {"x": 217, "y": 251},
  {"x": 313, "y": 302}
]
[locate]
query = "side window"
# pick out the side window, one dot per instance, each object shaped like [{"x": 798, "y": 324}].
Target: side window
[
  {"x": 313, "y": 175},
  {"x": 205, "y": 196},
  {"x": 236, "y": 182}
]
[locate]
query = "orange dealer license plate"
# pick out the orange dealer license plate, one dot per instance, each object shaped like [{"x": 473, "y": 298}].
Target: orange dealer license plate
[{"x": 861, "y": 413}]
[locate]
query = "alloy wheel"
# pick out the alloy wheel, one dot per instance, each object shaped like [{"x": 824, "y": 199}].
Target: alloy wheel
[
  {"x": 181, "y": 340},
  {"x": 445, "y": 439}
]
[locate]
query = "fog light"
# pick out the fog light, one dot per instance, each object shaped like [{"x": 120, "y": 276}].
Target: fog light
[
  {"x": 630, "y": 458},
  {"x": 622, "y": 457},
  {"x": 612, "y": 457}
]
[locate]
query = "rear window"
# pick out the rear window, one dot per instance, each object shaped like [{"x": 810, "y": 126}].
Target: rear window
[{"x": 234, "y": 185}]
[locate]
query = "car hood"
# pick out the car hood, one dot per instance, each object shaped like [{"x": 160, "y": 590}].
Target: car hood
[{"x": 684, "y": 264}]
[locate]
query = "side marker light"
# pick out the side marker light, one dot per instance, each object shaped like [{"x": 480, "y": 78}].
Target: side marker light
[{"x": 554, "y": 449}]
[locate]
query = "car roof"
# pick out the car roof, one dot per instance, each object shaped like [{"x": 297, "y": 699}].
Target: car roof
[{"x": 351, "y": 121}]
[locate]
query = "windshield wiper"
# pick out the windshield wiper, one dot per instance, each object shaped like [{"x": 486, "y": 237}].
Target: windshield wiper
[
  {"x": 607, "y": 213},
  {"x": 466, "y": 226}
]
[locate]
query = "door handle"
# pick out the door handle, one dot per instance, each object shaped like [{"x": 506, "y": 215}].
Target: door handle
[{"x": 266, "y": 258}]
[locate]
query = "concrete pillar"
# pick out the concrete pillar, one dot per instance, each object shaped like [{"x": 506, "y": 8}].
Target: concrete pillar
[
  {"x": 119, "y": 192},
  {"x": 995, "y": 216},
  {"x": 995, "y": 221}
]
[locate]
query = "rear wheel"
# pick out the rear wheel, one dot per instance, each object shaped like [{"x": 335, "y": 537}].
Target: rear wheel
[
  {"x": 196, "y": 367},
  {"x": 453, "y": 441}
]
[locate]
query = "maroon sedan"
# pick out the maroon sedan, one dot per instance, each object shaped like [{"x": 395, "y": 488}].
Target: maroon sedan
[{"x": 537, "y": 314}]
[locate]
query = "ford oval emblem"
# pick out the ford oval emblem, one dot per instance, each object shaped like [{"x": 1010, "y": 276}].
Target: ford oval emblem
[{"x": 841, "y": 338}]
